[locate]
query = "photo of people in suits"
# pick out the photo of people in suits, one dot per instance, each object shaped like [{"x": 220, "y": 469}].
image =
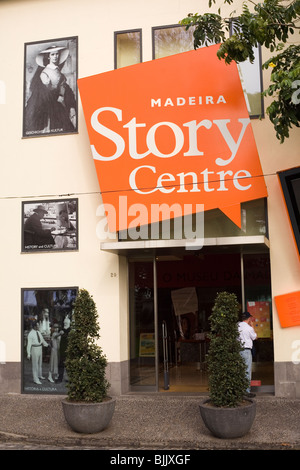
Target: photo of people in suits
[{"x": 47, "y": 316}]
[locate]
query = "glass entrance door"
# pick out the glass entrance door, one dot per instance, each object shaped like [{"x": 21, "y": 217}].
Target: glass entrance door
[
  {"x": 258, "y": 301},
  {"x": 143, "y": 339},
  {"x": 186, "y": 290},
  {"x": 171, "y": 298}
]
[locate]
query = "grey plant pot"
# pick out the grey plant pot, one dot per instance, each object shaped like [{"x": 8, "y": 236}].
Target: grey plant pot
[
  {"x": 228, "y": 423},
  {"x": 89, "y": 418}
]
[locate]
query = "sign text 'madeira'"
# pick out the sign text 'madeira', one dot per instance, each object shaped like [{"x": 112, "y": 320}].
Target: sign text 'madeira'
[{"x": 189, "y": 101}]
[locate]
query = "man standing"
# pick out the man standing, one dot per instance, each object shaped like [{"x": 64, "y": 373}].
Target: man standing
[
  {"x": 35, "y": 341},
  {"x": 247, "y": 336}
]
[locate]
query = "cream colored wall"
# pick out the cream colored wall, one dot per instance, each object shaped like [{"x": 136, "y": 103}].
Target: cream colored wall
[
  {"x": 285, "y": 264},
  {"x": 86, "y": 268},
  {"x": 58, "y": 165},
  {"x": 52, "y": 166},
  {"x": 284, "y": 257}
]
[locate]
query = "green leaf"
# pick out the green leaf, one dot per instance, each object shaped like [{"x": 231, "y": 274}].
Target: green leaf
[{"x": 85, "y": 362}]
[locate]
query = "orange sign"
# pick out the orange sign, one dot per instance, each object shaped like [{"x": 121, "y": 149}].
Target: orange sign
[
  {"x": 288, "y": 308},
  {"x": 173, "y": 131}
]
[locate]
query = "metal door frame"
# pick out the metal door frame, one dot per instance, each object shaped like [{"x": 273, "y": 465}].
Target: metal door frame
[{"x": 155, "y": 295}]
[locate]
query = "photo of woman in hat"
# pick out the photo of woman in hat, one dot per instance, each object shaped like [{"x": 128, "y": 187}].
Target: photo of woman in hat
[{"x": 50, "y": 102}]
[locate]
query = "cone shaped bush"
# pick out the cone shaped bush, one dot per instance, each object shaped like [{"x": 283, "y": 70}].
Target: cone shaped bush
[
  {"x": 85, "y": 361},
  {"x": 226, "y": 367}
]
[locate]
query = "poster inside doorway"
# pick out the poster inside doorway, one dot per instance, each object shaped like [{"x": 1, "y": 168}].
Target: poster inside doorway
[
  {"x": 184, "y": 300},
  {"x": 261, "y": 313}
]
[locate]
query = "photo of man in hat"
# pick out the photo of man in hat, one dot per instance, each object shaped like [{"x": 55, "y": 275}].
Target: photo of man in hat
[
  {"x": 50, "y": 102},
  {"x": 35, "y": 341},
  {"x": 34, "y": 233},
  {"x": 50, "y": 225}
]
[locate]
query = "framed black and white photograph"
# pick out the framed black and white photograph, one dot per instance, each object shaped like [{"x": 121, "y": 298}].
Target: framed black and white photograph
[
  {"x": 50, "y": 225},
  {"x": 50, "y": 87},
  {"x": 46, "y": 323}
]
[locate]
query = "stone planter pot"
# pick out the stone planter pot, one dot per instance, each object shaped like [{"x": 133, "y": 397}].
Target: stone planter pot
[
  {"x": 228, "y": 423},
  {"x": 89, "y": 418}
]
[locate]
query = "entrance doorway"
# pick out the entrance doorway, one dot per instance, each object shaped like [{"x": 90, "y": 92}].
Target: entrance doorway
[{"x": 171, "y": 299}]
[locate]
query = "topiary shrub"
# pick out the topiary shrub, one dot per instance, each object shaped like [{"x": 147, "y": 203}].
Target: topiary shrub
[
  {"x": 226, "y": 367},
  {"x": 85, "y": 362}
]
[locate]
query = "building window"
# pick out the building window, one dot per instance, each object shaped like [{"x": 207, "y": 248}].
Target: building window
[
  {"x": 128, "y": 48},
  {"x": 170, "y": 40},
  {"x": 251, "y": 80},
  {"x": 290, "y": 184}
]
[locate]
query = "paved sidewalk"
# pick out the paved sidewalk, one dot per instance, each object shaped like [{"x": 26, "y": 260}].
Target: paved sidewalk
[{"x": 150, "y": 421}]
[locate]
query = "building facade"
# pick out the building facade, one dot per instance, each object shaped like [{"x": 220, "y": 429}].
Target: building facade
[{"x": 154, "y": 290}]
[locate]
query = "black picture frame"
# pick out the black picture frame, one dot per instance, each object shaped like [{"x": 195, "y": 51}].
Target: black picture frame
[
  {"x": 50, "y": 94},
  {"x": 290, "y": 185},
  {"x": 50, "y": 225},
  {"x": 117, "y": 34},
  {"x": 46, "y": 322}
]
